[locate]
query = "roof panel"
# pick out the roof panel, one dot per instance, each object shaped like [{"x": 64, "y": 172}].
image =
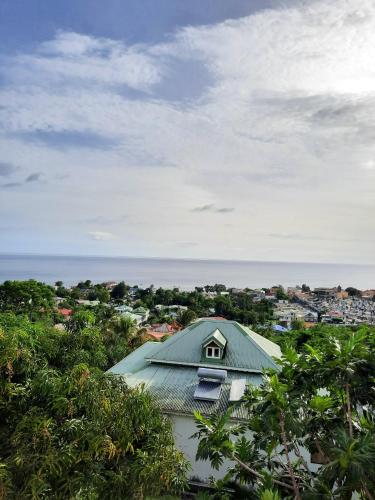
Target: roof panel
[
  {"x": 208, "y": 391},
  {"x": 216, "y": 336},
  {"x": 237, "y": 389}
]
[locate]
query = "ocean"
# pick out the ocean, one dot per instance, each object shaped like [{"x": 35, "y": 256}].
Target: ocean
[{"x": 182, "y": 273}]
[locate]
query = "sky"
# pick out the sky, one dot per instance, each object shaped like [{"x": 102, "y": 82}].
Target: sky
[{"x": 202, "y": 129}]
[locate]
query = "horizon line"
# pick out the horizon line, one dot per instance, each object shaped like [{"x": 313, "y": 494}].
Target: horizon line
[{"x": 196, "y": 259}]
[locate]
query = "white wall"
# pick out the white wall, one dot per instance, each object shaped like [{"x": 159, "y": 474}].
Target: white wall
[{"x": 184, "y": 427}]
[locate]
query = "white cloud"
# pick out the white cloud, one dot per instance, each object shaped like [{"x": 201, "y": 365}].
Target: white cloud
[
  {"x": 72, "y": 59},
  {"x": 281, "y": 130},
  {"x": 100, "y": 235},
  {"x": 73, "y": 44}
]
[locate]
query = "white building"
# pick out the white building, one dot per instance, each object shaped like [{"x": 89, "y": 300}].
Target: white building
[{"x": 205, "y": 367}]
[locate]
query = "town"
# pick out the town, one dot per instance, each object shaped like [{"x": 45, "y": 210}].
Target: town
[{"x": 162, "y": 312}]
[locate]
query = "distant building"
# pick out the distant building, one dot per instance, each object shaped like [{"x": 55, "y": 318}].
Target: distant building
[
  {"x": 158, "y": 330},
  {"x": 325, "y": 292},
  {"x": 109, "y": 285},
  {"x": 311, "y": 317},
  {"x": 66, "y": 313},
  {"x": 89, "y": 303},
  {"x": 139, "y": 315}
]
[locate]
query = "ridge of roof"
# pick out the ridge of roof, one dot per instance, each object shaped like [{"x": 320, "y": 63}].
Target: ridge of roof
[{"x": 253, "y": 354}]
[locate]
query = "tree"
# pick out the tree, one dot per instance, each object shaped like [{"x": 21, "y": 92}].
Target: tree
[
  {"x": 280, "y": 294},
  {"x": 118, "y": 291},
  {"x": 297, "y": 324},
  {"x": 353, "y": 292},
  {"x": 71, "y": 431},
  {"x": 223, "y": 306},
  {"x": 322, "y": 400},
  {"x": 26, "y": 297},
  {"x": 80, "y": 320},
  {"x": 102, "y": 294},
  {"x": 186, "y": 317}
]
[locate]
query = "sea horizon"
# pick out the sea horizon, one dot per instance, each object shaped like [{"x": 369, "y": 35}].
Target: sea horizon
[
  {"x": 204, "y": 259},
  {"x": 185, "y": 273}
]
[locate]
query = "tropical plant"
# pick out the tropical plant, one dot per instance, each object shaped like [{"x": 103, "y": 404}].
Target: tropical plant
[
  {"x": 319, "y": 404},
  {"x": 68, "y": 430}
]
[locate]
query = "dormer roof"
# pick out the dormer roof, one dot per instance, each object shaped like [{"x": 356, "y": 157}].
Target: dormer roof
[{"x": 217, "y": 337}]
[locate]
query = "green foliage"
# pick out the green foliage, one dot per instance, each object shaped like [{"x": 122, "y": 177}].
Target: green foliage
[
  {"x": 119, "y": 291},
  {"x": 67, "y": 430},
  {"x": 27, "y": 297},
  {"x": 186, "y": 317},
  {"x": 270, "y": 495},
  {"x": 280, "y": 294},
  {"x": 120, "y": 333},
  {"x": 235, "y": 306},
  {"x": 321, "y": 401}
]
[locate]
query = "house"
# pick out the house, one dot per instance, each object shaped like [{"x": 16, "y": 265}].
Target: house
[
  {"x": 66, "y": 313},
  {"x": 311, "y": 317},
  {"x": 143, "y": 313},
  {"x": 139, "y": 315},
  {"x": 325, "y": 292},
  {"x": 123, "y": 309},
  {"x": 158, "y": 331},
  {"x": 165, "y": 327},
  {"x": 89, "y": 303},
  {"x": 205, "y": 367},
  {"x": 110, "y": 285}
]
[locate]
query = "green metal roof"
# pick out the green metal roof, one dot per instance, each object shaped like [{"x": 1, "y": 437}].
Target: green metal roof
[
  {"x": 216, "y": 336},
  {"x": 169, "y": 369},
  {"x": 245, "y": 350},
  {"x": 173, "y": 387}
]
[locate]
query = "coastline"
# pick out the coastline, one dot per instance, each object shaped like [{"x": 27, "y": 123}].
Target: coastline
[{"x": 183, "y": 273}]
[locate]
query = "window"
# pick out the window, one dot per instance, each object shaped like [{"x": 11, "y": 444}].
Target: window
[{"x": 213, "y": 352}]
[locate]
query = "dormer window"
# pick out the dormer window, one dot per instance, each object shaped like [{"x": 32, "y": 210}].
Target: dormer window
[
  {"x": 213, "y": 352},
  {"x": 213, "y": 347}
]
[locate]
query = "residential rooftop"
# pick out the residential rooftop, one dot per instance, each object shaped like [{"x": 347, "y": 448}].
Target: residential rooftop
[{"x": 169, "y": 370}]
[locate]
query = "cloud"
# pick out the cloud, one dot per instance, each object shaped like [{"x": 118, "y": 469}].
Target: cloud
[
  {"x": 186, "y": 244},
  {"x": 102, "y": 219},
  {"x": 12, "y": 184},
  {"x": 33, "y": 177},
  {"x": 212, "y": 208},
  {"x": 203, "y": 208},
  {"x": 273, "y": 114},
  {"x": 100, "y": 235},
  {"x": 293, "y": 236},
  {"x": 7, "y": 169},
  {"x": 64, "y": 139},
  {"x": 224, "y": 210},
  {"x": 87, "y": 60}
]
